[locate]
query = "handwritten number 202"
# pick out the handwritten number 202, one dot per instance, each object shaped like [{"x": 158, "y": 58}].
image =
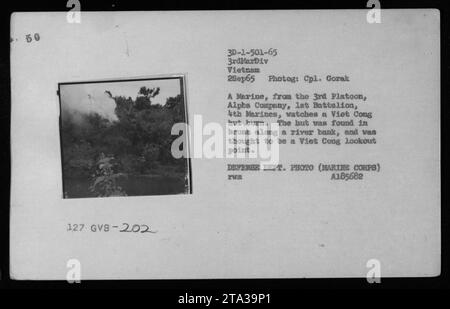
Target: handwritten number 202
[
  {"x": 29, "y": 38},
  {"x": 136, "y": 228}
]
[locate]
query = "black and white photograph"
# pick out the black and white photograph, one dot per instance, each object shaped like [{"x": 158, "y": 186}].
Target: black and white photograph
[
  {"x": 116, "y": 138},
  {"x": 228, "y": 152}
]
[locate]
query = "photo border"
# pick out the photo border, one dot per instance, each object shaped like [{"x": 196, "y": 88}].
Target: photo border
[{"x": 183, "y": 90}]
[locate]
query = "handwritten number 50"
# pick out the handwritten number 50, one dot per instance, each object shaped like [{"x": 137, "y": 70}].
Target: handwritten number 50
[{"x": 29, "y": 38}]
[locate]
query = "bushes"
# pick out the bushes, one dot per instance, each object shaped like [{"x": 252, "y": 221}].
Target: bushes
[
  {"x": 138, "y": 142},
  {"x": 104, "y": 179},
  {"x": 131, "y": 164},
  {"x": 150, "y": 154}
]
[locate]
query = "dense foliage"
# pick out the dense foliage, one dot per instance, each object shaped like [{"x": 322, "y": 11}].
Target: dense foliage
[
  {"x": 105, "y": 179},
  {"x": 138, "y": 142}
]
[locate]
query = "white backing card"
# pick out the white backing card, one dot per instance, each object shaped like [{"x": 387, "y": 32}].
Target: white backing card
[{"x": 267, "y": 225}]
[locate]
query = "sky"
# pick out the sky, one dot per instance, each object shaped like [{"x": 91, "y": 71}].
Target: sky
[{"x": 87, "y": 98}]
